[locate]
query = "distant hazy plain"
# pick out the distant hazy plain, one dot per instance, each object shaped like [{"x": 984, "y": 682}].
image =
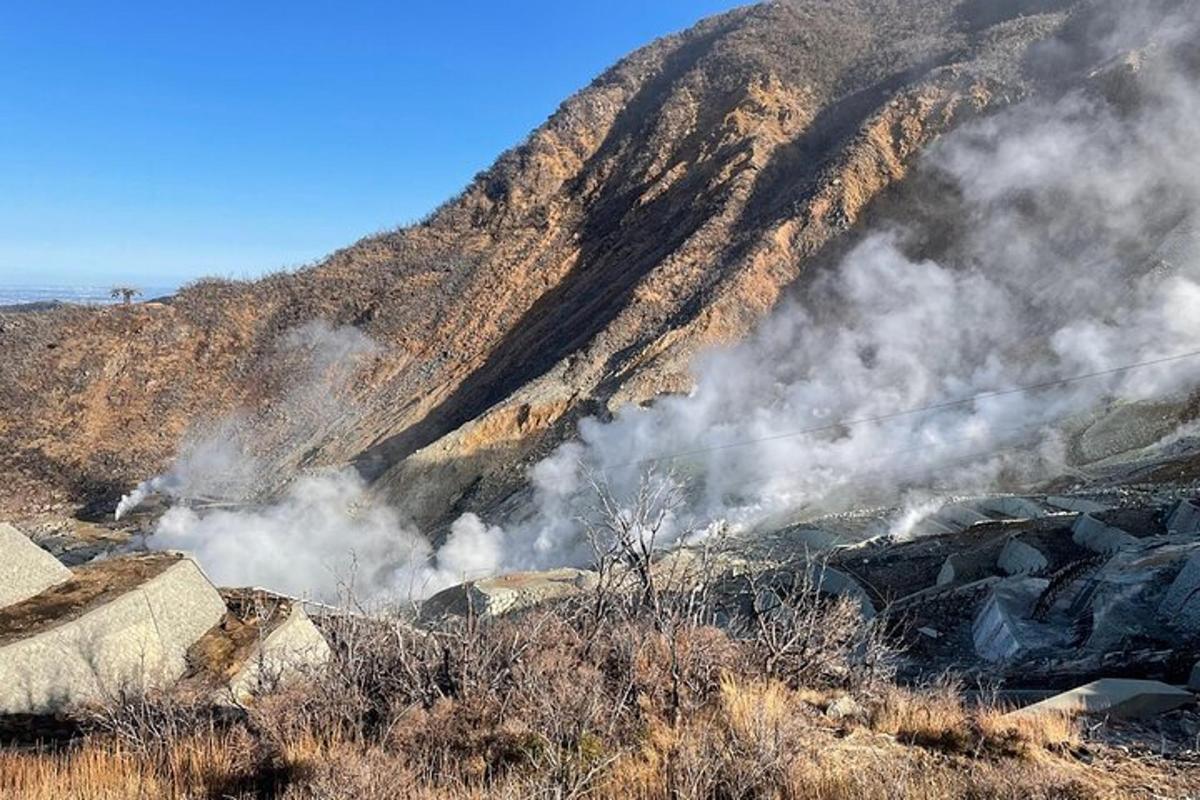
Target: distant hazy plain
[{"x": 90, "y": 295}]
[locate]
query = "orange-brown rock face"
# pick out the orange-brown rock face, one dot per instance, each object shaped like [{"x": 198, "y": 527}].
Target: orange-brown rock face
[{"x": 664, "y": 208}]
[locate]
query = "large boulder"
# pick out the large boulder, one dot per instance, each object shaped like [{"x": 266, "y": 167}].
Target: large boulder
[
  {"x": 25, "y": 569},
  {"x": 1115, "y": 697}
]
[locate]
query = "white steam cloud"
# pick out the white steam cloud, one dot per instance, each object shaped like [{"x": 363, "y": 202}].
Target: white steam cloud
[
  {"x": 252, "y": 519},
  {"x": 324, "y": 539}
]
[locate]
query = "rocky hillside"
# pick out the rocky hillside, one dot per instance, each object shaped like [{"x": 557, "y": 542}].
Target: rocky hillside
[{"x": 665, "y": 207}]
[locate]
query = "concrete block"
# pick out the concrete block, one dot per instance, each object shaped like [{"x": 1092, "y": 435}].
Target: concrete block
[
  {"x": 835, "y": 582},
  {"x": 1180, "y": 606},
  {"x": 1000, "y": 630},
  {"x": 966, "y": 566},
  {"x": 1013, "y": 507},
  {"x": 932, "y": 526},
  {"x": 132, "y": 641},
  {"x": 1185, "y": 519},
  {"x": 1076, "y": 504},
  {"x": 1091, "y": 533},
  {"x": 25, "y": 569},
  {"x": 505, "y": 594},
  {"x": 1194, "y": 679},
  {"x": 290, "y": 651},
  {"x": 1019, "y": 558},
  {"x": 958, "y": 516},
  {"x": 1115, "y": 697},
  {"x": 994, "y": 632}
]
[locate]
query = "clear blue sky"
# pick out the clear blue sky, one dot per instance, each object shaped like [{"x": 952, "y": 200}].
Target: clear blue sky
[{"x": 154, "y": 142}]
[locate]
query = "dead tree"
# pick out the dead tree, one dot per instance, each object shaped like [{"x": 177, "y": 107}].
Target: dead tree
[
  {"x": 625, "y": 536},
  {"x": 125, "y": 293}
]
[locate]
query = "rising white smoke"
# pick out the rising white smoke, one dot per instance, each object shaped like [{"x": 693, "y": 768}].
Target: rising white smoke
[
  {"x": 235, "y": 458},
  {"x": 251, "y": 518},
  {"x": 324, "y": 539}
]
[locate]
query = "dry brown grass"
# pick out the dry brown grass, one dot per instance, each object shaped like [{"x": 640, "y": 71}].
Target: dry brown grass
[
  {"x": 937, "y": 718},
  {"x": 756, "y": 739},
  {"x": 106, "y": 769}
]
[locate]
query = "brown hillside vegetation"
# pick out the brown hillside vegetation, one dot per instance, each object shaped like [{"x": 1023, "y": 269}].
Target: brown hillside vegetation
[{"x": 665, "y": 207}]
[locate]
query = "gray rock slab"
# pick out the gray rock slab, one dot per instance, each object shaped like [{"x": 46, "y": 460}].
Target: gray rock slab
[
  {"x": 1185, "y": 519},
  {"x": 1115, "y": 697},
  {"x": 1021, "y": 558},
  {"x": 26, "y": 570},
  {"x": 1089, "y": 532}
]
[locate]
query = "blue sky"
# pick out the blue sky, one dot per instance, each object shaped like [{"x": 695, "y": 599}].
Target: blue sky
[{"x": 151, "y": 142}]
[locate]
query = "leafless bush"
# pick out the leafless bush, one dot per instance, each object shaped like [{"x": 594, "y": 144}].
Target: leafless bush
[
  {"x": 151, "y": 721},
  {"x": 792, "y": 627}
]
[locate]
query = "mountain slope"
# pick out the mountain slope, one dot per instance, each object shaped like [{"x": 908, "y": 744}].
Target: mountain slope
[{"x": 665, "y": 207}]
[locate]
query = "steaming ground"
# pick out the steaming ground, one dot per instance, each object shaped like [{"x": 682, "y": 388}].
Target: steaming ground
[{"x": 1074, "y": 250}]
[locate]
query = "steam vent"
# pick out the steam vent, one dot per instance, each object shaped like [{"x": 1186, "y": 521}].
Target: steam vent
[{"x": 131, "y": 624}]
